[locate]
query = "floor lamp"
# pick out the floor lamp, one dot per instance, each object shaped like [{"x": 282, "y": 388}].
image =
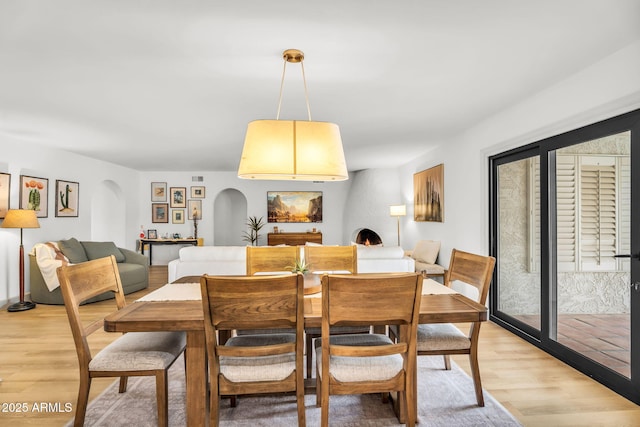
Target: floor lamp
[
  {"x": 21, "y": 218},
  {"x": 398, "y": 211}
]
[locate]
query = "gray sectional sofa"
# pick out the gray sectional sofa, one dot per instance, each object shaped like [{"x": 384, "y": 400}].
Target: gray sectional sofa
[{"x": 133, "y": 267}]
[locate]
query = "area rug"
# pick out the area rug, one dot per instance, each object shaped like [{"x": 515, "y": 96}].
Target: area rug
[{"x": 445, "y": 398}]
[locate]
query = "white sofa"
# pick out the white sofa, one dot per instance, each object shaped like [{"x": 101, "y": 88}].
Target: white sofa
[
  {"x": 425, "y": 255},
  {"x": 213, "y": 260},
  {"x": 231, "y": 260}
]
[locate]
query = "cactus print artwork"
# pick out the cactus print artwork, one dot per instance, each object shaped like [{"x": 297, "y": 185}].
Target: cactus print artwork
[{"x": 34, "y": 194}]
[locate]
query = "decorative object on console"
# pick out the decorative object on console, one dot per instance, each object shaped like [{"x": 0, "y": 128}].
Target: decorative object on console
[
  {"x": 428, "y": 194},
  {"x": 67, "y": 198},
  {"x": 34, "y": 195},
  {"x": 196, "y": 217},
  {"x": 294, "y": 206},
  {"x": 398, "y": 211},
  {"x": 158, "y": 191},
  {"x": 152, "y": 234},
  {"x": 160, "y": 212},
  {"x": 5, "y": 189},
  {"x": 21, "y": 218},
  {"x": 292, "y": 149},
  {"x": 253, "y": 236}
]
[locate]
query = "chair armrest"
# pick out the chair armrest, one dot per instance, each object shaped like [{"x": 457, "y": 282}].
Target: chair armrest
[{"x": 134, "y": 257}]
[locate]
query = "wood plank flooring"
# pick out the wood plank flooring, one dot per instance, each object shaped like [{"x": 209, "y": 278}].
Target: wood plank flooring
[{"x": 38, "y": 365}]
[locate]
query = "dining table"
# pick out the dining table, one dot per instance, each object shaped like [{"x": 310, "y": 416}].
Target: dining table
[{"x": 162, "y": 311}]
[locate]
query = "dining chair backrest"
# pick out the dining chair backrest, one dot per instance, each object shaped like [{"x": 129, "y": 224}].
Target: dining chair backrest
[
  {"x": 271, "y": 259},
  {"x": 471, "y": 269},
  {"x": 80, "y": 282},
  {"x": 331, "y": 258}
]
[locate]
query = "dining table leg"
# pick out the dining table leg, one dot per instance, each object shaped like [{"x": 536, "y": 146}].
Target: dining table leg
[{"x": 196, "y": 379}]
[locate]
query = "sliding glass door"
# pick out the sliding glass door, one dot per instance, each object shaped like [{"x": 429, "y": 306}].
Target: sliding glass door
[{"x": 565, "y": 228}]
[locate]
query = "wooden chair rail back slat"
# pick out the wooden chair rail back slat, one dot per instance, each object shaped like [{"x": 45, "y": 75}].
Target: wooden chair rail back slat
[
  {"x": 92, "y": 278},
  {"x": 351, "y": 302},
  {"x": 271, "y": 258},
  {"x": 475, "y": 270},
  {"x": 331, "y": 258}
]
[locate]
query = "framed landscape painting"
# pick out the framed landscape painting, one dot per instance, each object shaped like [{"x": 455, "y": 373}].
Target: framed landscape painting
[
  {"x": 5, "y": 187},
  {"x": 428, "y": 194},
  {"x": 160, "y": 212},
  {"x": 294, "y": 206},
  {"x": 178, "y": 197},
  {"x": 67, "y": 198},
  {"x": 34, "y": 195}
]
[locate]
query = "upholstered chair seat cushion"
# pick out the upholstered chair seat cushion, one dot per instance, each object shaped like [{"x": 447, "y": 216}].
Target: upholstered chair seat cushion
[
  {"x": 263, "y": 368},
  {"x": 441, "y": 336},
  {"x": 140, "y": 351},
  {"x": 354, "y": 369}
]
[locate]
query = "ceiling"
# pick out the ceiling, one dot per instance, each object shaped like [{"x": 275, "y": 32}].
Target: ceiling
[{"x": 171, "y": 85}]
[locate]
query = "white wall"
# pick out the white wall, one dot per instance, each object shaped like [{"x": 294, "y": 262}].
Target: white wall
[
  {"x": 25, "y": 158},
  {"x": 605, "y": 89}
]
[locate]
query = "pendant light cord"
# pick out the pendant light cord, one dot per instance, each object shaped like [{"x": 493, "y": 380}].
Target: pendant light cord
[{"x": 306, "y": 92}]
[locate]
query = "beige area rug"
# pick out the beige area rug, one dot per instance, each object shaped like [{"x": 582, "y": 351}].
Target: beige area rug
[{"x": 446, "y": 398}]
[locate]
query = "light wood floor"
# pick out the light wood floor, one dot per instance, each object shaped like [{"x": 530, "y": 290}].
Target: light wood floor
[{"x": 38, "y": 365}]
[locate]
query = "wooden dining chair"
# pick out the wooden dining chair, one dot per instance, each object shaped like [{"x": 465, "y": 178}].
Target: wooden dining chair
[
  {"x": 368, "y": 363},
  {"x": 336, "y": 260},
  {"x": 261, "y": 363},
  {"x": 475, "y": 273},
  {"x": 132, "y": 354},
  {"x": 271, "y": 259}
]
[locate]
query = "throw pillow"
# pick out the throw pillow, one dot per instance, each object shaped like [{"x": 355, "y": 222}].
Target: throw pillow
[
  {"x": 73, "y": 250},
  {"x": 426, "y": 251},
  {"x": 97, "y": 250}
]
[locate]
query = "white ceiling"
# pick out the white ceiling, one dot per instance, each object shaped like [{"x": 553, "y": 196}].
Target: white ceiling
[{"x": 171, "y": 85}]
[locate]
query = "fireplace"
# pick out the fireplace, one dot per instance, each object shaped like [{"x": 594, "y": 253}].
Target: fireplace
[{"x": 367, "y": 237}]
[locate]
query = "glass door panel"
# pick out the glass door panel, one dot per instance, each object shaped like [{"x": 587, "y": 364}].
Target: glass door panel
[{"x": 593, "y": 225}]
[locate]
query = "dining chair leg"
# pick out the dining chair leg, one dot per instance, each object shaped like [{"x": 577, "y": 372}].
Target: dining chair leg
[
  {"x": 447, "y": 362},
  {"x": 477, "y": 382},
  {"x": 83, "y": 399},
  {"x": 309, "y": 349},
  {"x": 214, "y": 406},
  {"x": 318, "y": 389},
  {"x": 123, "y": 384},
  {"x": 300, "y": 402},
  {"x": 162, "y": 398}
]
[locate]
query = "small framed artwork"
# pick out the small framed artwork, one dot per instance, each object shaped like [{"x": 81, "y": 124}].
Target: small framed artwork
[
  {"x": 197, "y": 192},
  {"x": 34, "y": 195},
  {"x": 428, "y": 194},
  {"x": 160, "y": 212},
  {"x": 5, "y": 188},
  {"x": 67, "y": 198},
  {"x": 195, "y": 209},
  {"x": 178, "y": 197},
  {"x": 152, "y": 234},
  {"x": 158, "y": 191},
  {"x": 178, "y": 216}
]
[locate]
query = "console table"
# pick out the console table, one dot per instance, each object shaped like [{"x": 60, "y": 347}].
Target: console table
[
  {"x": 293, "y": 239},
  {"x": 152, "y": 242}
]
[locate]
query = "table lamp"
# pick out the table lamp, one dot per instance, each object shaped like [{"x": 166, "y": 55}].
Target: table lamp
[
  {"x": 398, "y": 211},
  {"x": 21, "y": 218}
]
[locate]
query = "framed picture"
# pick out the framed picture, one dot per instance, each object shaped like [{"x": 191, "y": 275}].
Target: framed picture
[
  {"x": 178, "y": 197},
  {"x": 294, "y": 206},
  {"x": 158, "y": 191},
  {"x": 152, "y": 234},
  {"x": 428, "y": 194},
  {"x": 195, "y": 209},
  {"x": 160, "y": 212},
  {"x": 34, "y": 194},
  {"x": 67, "y": 198},
  {"x": 5, "y": 188},
  {"x": 197, "y": 192},
  {"x": 178, "y": 216}
]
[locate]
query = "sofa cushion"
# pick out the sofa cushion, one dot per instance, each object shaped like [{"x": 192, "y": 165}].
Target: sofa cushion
[
  {"x": 73, "y": 250},
  {"x": 426, "y": 251},
  {"x": 132, "y": 273},
  {"x": 380, "y": 252},
  {"x": 97, "y": 250}
]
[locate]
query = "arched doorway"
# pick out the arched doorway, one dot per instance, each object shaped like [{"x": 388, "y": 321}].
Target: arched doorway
[{"x": 230, "y": 214}]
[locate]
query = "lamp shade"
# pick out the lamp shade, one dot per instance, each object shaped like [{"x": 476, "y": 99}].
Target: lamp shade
[
  {"x": 20, "y": 218},
  {"x": 398, "y": 210},
  {"x": 293, "y": 150}
]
